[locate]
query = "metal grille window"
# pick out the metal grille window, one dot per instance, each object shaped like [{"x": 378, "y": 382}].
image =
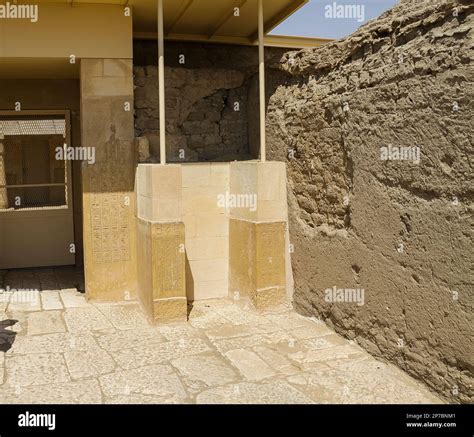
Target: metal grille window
[{"x": 30, "y": 175}]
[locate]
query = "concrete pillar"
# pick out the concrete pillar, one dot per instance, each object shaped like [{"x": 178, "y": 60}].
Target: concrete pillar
[
  {"x": 108, "y": 184},
  {"x": 261, "y": 72},
  {"x": 161, "y": 83}
]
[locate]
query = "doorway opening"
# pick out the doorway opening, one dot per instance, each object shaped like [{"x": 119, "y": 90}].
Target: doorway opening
[{"x": 37, "y": 219}]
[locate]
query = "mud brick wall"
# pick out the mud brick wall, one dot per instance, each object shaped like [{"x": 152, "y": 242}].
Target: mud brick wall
[{"x": 400, "y": 231}]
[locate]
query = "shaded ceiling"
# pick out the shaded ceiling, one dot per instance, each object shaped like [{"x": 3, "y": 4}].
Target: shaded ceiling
[{"x": 211, "y": 20}]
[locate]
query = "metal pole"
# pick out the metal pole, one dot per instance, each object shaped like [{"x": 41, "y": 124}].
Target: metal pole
[
  {"x": 261, "y": 59},
  {"x": 161, "y": 82}
]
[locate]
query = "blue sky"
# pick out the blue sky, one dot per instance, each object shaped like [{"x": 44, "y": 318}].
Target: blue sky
[{"x": 315, "y": 19}]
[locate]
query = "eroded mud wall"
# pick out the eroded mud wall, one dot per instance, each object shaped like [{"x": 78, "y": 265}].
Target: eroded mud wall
[{"x": 370, "y": 214}]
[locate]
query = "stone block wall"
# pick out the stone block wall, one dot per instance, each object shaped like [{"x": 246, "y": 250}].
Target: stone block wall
[
  {"x": 207, "y": 230},
  {"x": 210, "y": 100},
  {"x": 229, "y": 222},
  {"x": 188, "y": 195}
]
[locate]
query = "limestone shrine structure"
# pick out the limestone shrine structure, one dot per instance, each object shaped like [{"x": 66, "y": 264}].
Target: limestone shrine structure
[
  {"x": 133, "y": 143},
  {"x": 169, "y": 161}
]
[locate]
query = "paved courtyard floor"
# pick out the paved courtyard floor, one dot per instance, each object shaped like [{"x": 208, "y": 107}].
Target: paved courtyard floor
[{"x": 62, "y": 349}]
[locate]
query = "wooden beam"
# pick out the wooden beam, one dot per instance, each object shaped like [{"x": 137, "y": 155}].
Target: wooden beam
[
  {"x": 283, "y": 41},
  {"x": 279, "y": 18},
  {"x": 233, "y": 40},
  {"x": 226, "y": 17},
  {"x": 182, "y": 10}
]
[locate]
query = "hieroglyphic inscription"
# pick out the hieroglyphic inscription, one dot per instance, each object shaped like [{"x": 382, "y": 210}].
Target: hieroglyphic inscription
[
  {"x": 110, "y": 199},
  {"x": 169, "y": 273},
  {"x": 270, "y": 254}
]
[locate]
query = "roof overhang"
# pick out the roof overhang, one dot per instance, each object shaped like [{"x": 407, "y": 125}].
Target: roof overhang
[
  {"x": 213, "y": 21},
  {"x": 228, "y": 21}
]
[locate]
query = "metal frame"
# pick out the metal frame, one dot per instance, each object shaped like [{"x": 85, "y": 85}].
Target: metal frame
[
  {"x": 66, "y": 113},
  {"x": 161, "y": 83},
  {"x": 161, "y": 77},
  {"x": 261, "y": 77}
]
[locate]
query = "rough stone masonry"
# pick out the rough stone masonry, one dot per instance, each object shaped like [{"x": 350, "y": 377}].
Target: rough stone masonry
[
  {"x": 363, "y": 218},
  {"x": 211, "y": 99}
]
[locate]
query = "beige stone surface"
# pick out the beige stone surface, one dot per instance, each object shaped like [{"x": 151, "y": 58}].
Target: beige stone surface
[
  {"x": 48, "y": 38},
  {"x": 209, "y": 289},
  {"x": 142, "y": 146},
  {"x": 168, "y": 260},
  {"x": 109, "y": 226},
  {"x": 218, "y": 370},
  {"x": 206, "y": 225},
  {"x": 257, "y": 261},
  {"x": 131, "y": 338},
  {"x": 161, "y": 271},
  {"x": 45, "y": 322},
  {"x": 76, "y": 392},
  {"x": 228, "y": 352},
  {"x": 35, "y": 369},
  {"x": 156, "y": 380},
  {"x": 159, "y": 353},
  {"x": 252, "y": 255},
  {"x": 278, "y": 392},
  {"x": 85, "y": 319},
  {"x": 169, "y": 310},
  {"x": 25, "y": 301},
  {"x": 73, "y": 299},
  {"x": 159, "y": 193},
  {"x": 89, "y": 363},
  {"x": 266, "y": 180},
  {"x": 361, "y": 382},
  {"x": 125, "y": 316},
  {"x": 52, "y": 343},
  {"x": 50, "y": 300},
  {"x": 250, "y": 364},
  {"x": 211, "y": 248}
]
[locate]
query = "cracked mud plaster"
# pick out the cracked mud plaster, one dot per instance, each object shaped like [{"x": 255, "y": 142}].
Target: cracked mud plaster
[{"x": 398, "y": 229}]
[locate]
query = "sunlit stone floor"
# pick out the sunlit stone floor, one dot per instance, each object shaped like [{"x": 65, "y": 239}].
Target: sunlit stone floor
[{"x": 65, "y": 350}]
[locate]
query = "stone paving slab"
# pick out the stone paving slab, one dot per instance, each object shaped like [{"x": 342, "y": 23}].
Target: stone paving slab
[
  {"x": 250, "y": 365},
  {"x": 218, "y": 371},
  {"x": 45, "y": 322},
  {"x": 50, "y": 300},
  {"x": 360, "y": 382},
  {"x": 159, "y": 353},
  {"x": 159, "y": 381},
  {"x": 276, "y": 392},
  {"x": 80, "y": 392},
  {"x": 35, "y": 369},
  {"x": 67, "y": 350}
]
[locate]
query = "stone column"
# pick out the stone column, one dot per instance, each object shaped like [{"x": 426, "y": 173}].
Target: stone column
[
  {"x": 257, "y": 234},
  {"x": 161, "y": 243},
  {"x": 108, "y": 185}
]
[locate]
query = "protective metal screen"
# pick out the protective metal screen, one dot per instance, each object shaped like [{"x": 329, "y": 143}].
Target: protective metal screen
[{"x": 33, "y": 172}]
